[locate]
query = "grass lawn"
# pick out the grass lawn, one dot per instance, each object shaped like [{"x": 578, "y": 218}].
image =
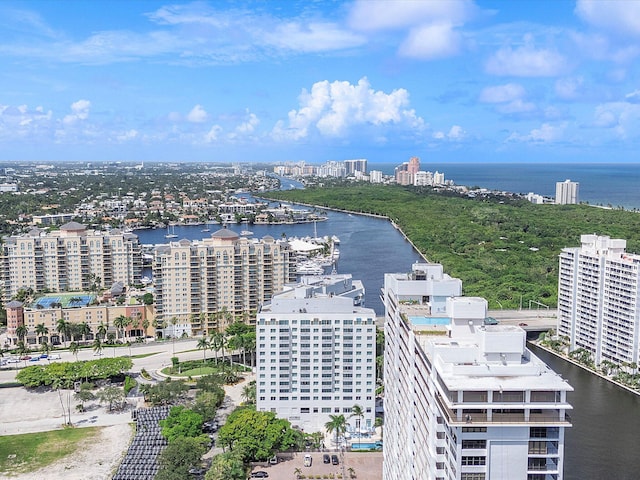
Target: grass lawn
[
  {"x": 31, "y": 451},
  {"x": 191, "y": 373},
  {"x": 143, "y": 355}
]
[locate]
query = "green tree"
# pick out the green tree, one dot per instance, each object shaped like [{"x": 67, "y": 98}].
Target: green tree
[
  {"x": 337, "y": 424},
  {"x": 227, "y": 466},
  {"x": 21, "y": 332},
  {"x": 181, "y": 422},
  {"x": 101, "y": 331},
  {"x": 249, "y": 392},
  {"x": 84, "y": 394},
  {"x": 256, "y": 435},
  {"x": 62, "y": 327},
  {"x": 203, "y": 344},
  {"x": 358, "y": 412},
  {"x": 41, "y": 331},
  {"x": 145, "y": 327},
  {"x": 97, "y": 346},
  {"x": 147, "y": 298},
  {"x": 208, "y": 402},
  {"x": 178, "y": 457},
  {"x": 121, "y": 322},
  {"x": 74, "y": 348},
  {"x": 84, "y": 329},
  {"x": 113, "y": 396}
]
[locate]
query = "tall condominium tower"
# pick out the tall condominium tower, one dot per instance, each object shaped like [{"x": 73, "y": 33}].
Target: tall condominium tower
[
  {"x": 464, "y": 400},
  {"x": 353, "y": 166},
  {"x": 201, "y": 285},
  {"x": 567, "y": 192},
  {"x": 70, "y": 259},
  {"x": 599, "y": 299},
  {"x": 316, "y": 349}
]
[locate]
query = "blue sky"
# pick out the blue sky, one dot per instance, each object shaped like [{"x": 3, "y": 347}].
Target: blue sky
[{"x": 448, "y": 81}]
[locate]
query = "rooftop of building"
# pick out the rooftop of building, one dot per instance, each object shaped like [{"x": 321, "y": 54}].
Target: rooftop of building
[{"x": 315, "y": 305}]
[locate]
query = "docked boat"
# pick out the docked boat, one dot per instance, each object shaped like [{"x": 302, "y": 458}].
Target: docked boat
[
  {"x": 309, "y": 268},
  {"x": 246, "y": 233},
  {"x": 171, "y": 232}
]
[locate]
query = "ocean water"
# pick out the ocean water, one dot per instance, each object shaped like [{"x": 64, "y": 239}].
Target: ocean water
[{"x": 606, "y": 184}]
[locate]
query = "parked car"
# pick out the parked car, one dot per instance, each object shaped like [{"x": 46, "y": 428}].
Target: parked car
[
  {"x": 308, "y": 460},
  {"x": 334, "y": 459},
  {"x": 522, "y": 324},
  {"x": 34, "y": 359},
  {"x": 54, "y": 356},
  {"x": 260, "y": 474},
  {"x": 273, "y": 460},
  {"x": 25, "y": 357},
  {"x": 326, "y": 458},
  {"x": 44, "y": 356}
]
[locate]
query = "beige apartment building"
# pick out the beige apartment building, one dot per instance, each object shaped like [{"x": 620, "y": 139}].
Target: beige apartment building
[
  {"x": 69, "y": 259},
  {"x": 19, "y": 314},
  {"x": 202, "y": 286}
]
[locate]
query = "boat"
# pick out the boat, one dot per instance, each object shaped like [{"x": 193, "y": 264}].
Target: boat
[
  {"x": 171, "y": 232},
  {"x": 205, "y": 230},
  {"x": 246, "y": 233},
  {"x": 309, "y": 268}
]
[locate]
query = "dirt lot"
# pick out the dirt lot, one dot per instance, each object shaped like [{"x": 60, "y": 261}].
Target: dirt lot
[{"x": 367, "y": 466}]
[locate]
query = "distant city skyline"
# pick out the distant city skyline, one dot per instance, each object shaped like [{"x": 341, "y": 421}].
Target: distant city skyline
[{"x": 226, "y": 81}]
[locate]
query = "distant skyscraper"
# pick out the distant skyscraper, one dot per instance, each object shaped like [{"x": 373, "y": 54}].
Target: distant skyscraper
[
  {"x": 567, "y": 192},
  {"x": 599, "y": 299},
  {"x": 353, "y": 166},
  {"x": 414, "y": 165}
]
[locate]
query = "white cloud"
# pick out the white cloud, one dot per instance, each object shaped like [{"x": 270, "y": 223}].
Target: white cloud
[
  {"x": 456, "y": 133},
  {"x": 314, "y": 37},
  {"x": 332, "y": 109},
  {"x": 502, "y": 93},
  {"x": 213, "y": 134},
  {"x": 547, "y": 133},
  {"x": 128, "y": 135},
  {"x": 249, "y": 125},
  {"x": 80, "y": 111},
  {"x": 633, "y": 97},
  {"x": 621, "y": 118},
  {"x": 431, "y": 41},
  {"x": 568, "y": 88},
  {"x": 366, "y": 15},
  {"x": 197, "y": 115},
  {"x": 526, "y": 61},
  {"x": 615, "y": 16}
]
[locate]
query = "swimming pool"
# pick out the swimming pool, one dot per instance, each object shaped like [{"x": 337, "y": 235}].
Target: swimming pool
[
  {"x": 430, "y": 320},
  {"x": 366, "y": 446}
]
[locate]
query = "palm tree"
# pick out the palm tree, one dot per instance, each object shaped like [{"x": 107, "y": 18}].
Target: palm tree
[
  {"x": 174, "y": 321},
  {"x": 356, "y": 411},
  {"x": 338, "y": 424},
  {"x": 45, "y": 348},
  {"x": 120, "y": 322},
  {"x": 203, "y": 344},
  {"x": 97, "y": 345},
  {"x": 101, "y": 331},
  {"x": 249, "y": 392},
  {"x": 84, "y": 329},
  {"x": 22, "y": 332},
  {"x": 297, "y": 472},
  {"x": 74, "y": 348},
  {"x": 145, "y": 326},
  {"x": 41, "y": 331},
  {"x": 216, "y": 343},
  {"x": 352, "y": 472},
  {"x": 63, "y": 329}
]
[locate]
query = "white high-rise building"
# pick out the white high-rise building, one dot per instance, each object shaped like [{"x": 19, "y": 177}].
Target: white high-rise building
[
  {"x": 464, "y": 400},
  {"x": 599, "y": 299},
  {"x": 316, "y": 352},
  {"x": 567, "y": 192},
  {"x": 375, "y": 176}
]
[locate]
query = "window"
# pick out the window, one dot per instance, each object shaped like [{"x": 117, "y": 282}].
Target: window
[
  {"x": 471, "y": 444},
  {"x": 473, "y": 461},
  {"x": 472, "y": 476}
]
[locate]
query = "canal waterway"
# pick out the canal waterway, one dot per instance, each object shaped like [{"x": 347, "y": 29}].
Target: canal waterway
[{"x": 603, "y": 442}]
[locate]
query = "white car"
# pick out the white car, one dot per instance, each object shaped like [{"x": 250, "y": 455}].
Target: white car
[
  {"x": 54, "y": 356},
  {"x": 307, "y": 460}
]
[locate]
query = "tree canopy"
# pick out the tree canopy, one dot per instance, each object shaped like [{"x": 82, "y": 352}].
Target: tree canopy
[
  {"x": 256, "y": 435},
  {"x": 503, "y": 248}
]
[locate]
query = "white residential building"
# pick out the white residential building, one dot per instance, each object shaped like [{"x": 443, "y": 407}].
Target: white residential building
[
  {"x": 316, "y": 354},
  {"x": 464, "y": 400},
  {"x": 69, "y": 259},
  {"x": 567, "y": 192},
  {"x": 375, "y": 176},
  {"x": 599, "y": 299}
]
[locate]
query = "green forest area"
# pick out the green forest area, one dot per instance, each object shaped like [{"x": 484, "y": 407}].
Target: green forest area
[{"x": 504, "y": 249}]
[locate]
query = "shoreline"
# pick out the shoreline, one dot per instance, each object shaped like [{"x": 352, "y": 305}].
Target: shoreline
[
  {"x": 585, "y": 368},
  {"x": 373, "y": 215}
]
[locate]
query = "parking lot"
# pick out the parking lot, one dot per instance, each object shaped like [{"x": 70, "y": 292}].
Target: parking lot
[{"x": 366, "y": 466}]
